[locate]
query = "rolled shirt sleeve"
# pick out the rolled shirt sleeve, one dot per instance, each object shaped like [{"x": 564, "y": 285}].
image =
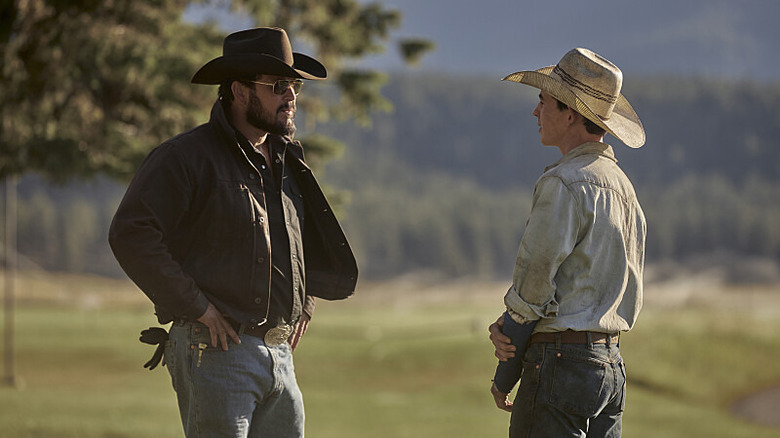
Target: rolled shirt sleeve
[{"x": 549, "y": 238}]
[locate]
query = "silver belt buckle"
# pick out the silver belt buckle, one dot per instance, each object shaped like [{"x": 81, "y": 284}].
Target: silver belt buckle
[{"x": 278, "y": 335}]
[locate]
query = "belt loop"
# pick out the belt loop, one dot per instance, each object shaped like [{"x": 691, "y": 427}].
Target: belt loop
[
  {"x": 618, "y": 342},
  {"x": 590, "y": 340},
  {"x": 241, "y": 328},
  {"x": 558, "y": 340},
  {"x": 609, "y": 339}
]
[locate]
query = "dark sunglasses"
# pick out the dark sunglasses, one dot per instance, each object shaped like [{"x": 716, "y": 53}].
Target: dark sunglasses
[{"x": 281, "y": 86}]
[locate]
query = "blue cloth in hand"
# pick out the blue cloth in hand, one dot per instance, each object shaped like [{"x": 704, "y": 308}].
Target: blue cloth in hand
[{"x": 508, "y": 372}]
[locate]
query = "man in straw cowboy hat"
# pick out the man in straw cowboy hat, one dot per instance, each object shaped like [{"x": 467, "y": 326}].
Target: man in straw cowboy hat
[
  {"x": 226, "y": 230},
  {"x": 577, "y": 281}
]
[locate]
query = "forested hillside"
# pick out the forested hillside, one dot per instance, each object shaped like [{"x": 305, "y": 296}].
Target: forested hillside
[
  {"x": 482, "y": 129},
  {"x": 444, "y": 182}
]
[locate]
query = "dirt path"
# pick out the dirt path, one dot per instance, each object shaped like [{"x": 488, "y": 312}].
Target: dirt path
[{"x": 760, "y": 408}]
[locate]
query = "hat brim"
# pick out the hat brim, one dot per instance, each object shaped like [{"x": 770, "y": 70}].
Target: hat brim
[
  {"x": 250, "y": 65},
  {"x": 624, "y": 123}
]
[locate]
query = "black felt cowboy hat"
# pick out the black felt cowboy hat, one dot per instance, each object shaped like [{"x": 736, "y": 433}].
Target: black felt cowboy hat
[{"x": 264, "y": 50}]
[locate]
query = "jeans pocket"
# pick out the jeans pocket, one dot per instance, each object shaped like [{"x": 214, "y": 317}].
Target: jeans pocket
[
  {"x": 578, "y": 384},
  {"x": 623, "y": 387},
  {"x": 170, "y": 359},
  {"x": 529, "y": 378}
]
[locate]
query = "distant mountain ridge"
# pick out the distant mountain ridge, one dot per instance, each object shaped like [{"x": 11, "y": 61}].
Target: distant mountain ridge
[{"x": 483, "y": 130}]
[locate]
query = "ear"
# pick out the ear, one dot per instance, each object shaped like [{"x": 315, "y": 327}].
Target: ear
[
  {"x": 240, "y": 92},
  {"x": 574, "y": 117}
]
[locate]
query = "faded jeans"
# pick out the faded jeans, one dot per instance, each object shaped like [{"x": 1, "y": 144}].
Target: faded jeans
[
  {"x": 570, "y": 390},
  {"x": 249, "y": 391}
]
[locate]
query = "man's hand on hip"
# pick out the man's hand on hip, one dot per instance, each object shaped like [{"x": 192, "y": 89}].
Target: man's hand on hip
[
  {"x": 219, "y": 328},
  {"x": 299, "y": 330}
]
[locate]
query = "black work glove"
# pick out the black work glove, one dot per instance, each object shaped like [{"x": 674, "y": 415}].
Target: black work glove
[{"x": 152, "y": 336}]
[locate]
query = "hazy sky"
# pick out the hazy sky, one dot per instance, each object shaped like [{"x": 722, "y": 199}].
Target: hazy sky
[{"x": 718, "y": 38}]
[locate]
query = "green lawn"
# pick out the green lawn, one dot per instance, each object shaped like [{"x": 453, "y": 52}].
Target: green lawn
[{"x": 381, "y": 369}]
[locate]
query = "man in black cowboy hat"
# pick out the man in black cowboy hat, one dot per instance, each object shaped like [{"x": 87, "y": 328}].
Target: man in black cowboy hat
[
  {"x": 577, "y": 280},
  {"x": 226, "y": 230}
]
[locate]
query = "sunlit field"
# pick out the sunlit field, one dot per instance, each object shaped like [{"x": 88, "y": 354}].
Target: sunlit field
[{"x": 408, "y": 358}]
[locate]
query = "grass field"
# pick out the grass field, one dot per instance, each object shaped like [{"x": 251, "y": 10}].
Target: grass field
[{"x": 398, "y": 360}]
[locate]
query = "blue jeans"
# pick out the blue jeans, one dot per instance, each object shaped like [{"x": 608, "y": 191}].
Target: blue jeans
[
  {"x": 249, "y": 391},
  {"x": 571, "y": 390}
]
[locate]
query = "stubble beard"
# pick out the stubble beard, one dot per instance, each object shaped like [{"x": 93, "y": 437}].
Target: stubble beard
[{"x": 257, "y": 116}]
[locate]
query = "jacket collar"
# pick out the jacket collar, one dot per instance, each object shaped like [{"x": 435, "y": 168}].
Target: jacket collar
[
  {"x": 590, "y": 148},
  {"x": 221, "y": 123}
]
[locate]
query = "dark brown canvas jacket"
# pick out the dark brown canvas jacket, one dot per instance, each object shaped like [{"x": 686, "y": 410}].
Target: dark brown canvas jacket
[{"x": 191, "y": 229}]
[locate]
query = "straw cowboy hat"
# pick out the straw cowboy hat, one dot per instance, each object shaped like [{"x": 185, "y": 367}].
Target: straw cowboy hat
[
  {"x": 590, "y": 85},
  {"x": 264, "y": 50}
]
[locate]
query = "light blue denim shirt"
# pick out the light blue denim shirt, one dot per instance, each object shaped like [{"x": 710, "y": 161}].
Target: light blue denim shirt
[{"x": 581, "y": 257}]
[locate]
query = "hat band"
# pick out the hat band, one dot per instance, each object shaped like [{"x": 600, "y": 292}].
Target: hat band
[{"x": 590, "y": 91}]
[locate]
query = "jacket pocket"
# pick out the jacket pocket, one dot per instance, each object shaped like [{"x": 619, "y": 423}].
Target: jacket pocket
[{"x": 228, "y": 213}]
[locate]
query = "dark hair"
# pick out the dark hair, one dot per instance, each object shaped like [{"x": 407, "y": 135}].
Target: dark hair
[
  {"x": 225, "y": 93},
  {"x": 590, "y": 126}
]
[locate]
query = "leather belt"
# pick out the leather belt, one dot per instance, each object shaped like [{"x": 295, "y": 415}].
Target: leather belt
[
  {"x": 572, "y": 337},
  {"x": 272, "y": 336}
]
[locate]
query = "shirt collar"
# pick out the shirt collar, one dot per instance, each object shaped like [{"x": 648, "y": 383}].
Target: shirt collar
[
  {"x": 590, "y": 148},
  {"x": 274, "y": 147}
]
